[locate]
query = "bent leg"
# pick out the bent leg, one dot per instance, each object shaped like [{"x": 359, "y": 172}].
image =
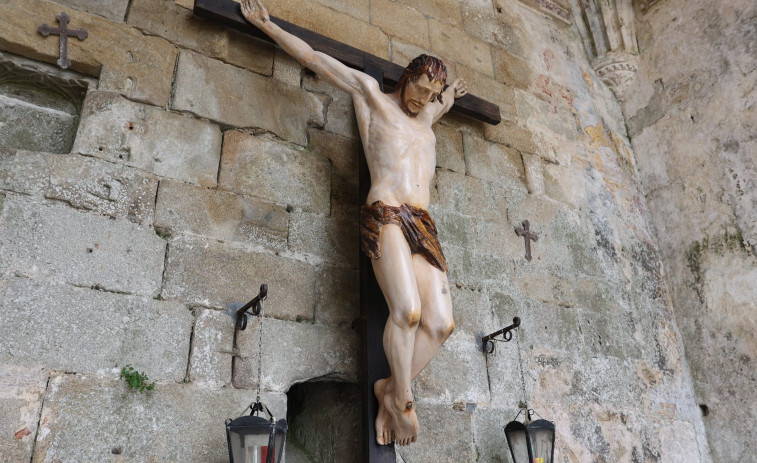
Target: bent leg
[
  {"x": 395, "y": 274},
  {"x": 437, "y": 322}
]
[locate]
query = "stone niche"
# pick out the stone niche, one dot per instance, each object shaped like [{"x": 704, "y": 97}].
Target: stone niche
[
  {"x": 39, "y": 105},
  {"x": 325, "y": 420}
]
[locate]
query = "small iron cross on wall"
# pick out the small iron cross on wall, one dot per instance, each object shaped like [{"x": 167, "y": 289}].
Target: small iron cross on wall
[
  {"x": 528, "y": 235},
  {"x": 63, "y": 32}
]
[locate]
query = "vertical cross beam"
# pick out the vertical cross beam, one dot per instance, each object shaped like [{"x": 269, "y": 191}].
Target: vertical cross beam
[
  {"x": 373, "y": 312},
  {"x": 528, "y": 235},
  {"x": 63, "y": 31}
]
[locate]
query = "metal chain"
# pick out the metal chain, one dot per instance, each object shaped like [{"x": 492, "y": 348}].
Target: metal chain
[
  {"x": 260, "y": 351},
  {"x": 520, "y": 365}
]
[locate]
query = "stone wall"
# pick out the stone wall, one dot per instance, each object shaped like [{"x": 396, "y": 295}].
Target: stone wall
[
  {"x": 693, "y": 122},
  {"x": 206, "y": 163}
]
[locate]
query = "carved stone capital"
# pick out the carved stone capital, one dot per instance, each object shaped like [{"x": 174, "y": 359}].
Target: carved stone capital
[{"x": 617, "y": 70}]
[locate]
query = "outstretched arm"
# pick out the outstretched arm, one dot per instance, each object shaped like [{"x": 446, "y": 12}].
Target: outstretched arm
[
  {"x": 326, "y": 67},
  {"x": 457, "y": 89}
]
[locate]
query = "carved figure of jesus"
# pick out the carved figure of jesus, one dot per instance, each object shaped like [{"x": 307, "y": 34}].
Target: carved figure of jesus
[{"x": 396, "y": 230}]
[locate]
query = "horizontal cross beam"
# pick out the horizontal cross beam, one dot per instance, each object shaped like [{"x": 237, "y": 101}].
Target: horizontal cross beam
[{"x": 228, "y": 13}]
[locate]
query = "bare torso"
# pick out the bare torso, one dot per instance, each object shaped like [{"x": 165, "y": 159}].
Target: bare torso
[{"x": 400, "y": 150}]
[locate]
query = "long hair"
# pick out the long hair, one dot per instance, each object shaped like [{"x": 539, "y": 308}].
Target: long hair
[{"x": 433, "y": 67}]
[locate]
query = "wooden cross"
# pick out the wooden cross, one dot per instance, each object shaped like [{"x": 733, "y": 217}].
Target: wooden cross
[
  {"x": 63, "y": 32},
  {"x": 373, "y": 308},
  {"x": 528, "y": 235},
  {"x": 228, "y": 13}
]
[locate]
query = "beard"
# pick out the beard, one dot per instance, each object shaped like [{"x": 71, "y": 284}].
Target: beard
[{"x": 403, "y": 105}]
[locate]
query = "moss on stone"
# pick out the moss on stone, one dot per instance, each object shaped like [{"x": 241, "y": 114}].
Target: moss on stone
[{"x": 731, "y": 241}]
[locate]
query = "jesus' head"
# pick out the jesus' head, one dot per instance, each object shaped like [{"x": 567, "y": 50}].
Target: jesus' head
[{"x": 422, "y": 82}]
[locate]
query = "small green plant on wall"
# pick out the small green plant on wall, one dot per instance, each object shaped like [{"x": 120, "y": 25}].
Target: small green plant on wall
[{"x": 136, "y": 380}]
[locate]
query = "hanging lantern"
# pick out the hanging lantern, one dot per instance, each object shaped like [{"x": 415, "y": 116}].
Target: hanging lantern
[
  {"x": 531, "y": 441},
  {"x": 254, "y": 439}
]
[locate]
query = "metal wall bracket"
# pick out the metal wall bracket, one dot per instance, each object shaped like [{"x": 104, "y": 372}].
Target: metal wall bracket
[{"x": 487, "y": 342}]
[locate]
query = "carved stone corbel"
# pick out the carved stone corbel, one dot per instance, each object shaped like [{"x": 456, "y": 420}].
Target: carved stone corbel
[{"x": 609, "y": 35}]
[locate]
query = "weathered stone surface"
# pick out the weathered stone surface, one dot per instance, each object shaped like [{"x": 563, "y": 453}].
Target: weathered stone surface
[
  {"x": 260, "y": 167},
  {"x": 454, "y": 44},
  {"x": 534, "y": 168},
  {"x": 214, "y": 274},
  {"x": 57, "y": 242},
  {"x": 491, "y": 161},
  {"x": 286, "y": 69},
  {"x": 333, "y": 239},
  {"x": 23, "y": 172},
  {"x": 109, "y": 189},
  {"x": 35, "y": 128},
  {"x": 212, "y": 347},
  {"x": 488, "y": 435},
  {"x": 454, "y": 228},
  {"x": 439, "y": 384},
  {"x": 114, "y": 10},
  {"x": 563, "y": 184},
  {"x": 449, "y": 148},
  {"x": 547, "y": 120},
  {"x": 473, "y": 197},
  {"x": 22, "y": 389},
  {"x": 447, "y": 11},
  {"x": 679, "y": 441},
  {"x": 511, "y": 134},
  {"x": 89, "y": 418},
  {"x": 294, "y": 353},
  {"x": 497, "y": 92},
  {"x": 344, "y": 154},
  {"x": 44, "y": 85},
  {"x": 412, "y": 28},
  {"x": 341, "y": 27},
  {"x": 177, "y": 25},
  {"x": 139, "y": 67},
  {"x": 338, "y": 296},
  {"x": 253, "y": 54},
  {"x": 183, "y": 208},
  {"x": 450, "y": 443},
  {"x": 511, "y": 70},
  {"x": 340, "y": 112},
  {"x": 168, "y": 144},
  {"x": 100, "y": 330},
  {"x": 470, "y": 309},
  {"x": 234, "y": 96},
  {"x": 504, "y": 370},
  {"x": 475, "y": 271},
  {"x": 403, "y": 53},
  {"x": 325, "y": 419},
  {"x": 483, "y": 25}
]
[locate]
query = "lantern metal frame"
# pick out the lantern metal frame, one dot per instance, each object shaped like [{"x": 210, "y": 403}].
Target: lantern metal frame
[
  {"x": 258, "y": 425},
  {"x": 528, "y": 427}
]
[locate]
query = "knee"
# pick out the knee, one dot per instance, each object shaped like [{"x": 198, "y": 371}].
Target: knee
[
  {"x": 408, "y": 315},
  {"x": 442, "y": 328}
]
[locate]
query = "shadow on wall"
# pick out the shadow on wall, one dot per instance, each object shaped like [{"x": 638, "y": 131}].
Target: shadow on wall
[{"x": 324, "y": 423}]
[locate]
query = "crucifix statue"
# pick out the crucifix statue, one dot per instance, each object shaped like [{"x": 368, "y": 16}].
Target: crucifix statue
[{"x": 397, "y": 232}]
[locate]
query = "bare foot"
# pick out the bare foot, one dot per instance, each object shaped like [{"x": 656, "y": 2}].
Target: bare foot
[
  {"x": 384, "y": 431},
  {"x": 396, "y": 421},
  {"x": 404, "y": 419}
]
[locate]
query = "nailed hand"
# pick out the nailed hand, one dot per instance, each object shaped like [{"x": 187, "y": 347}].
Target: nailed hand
[{"x": 254, "y": 12}]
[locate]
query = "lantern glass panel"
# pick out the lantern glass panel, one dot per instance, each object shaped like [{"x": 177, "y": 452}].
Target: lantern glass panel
[
  {"x": 250, "y": 440},
  {"x": 281, "y": 433},
  {"x": 515, "y": 433},
  {"x": 541, "y": 433}
]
